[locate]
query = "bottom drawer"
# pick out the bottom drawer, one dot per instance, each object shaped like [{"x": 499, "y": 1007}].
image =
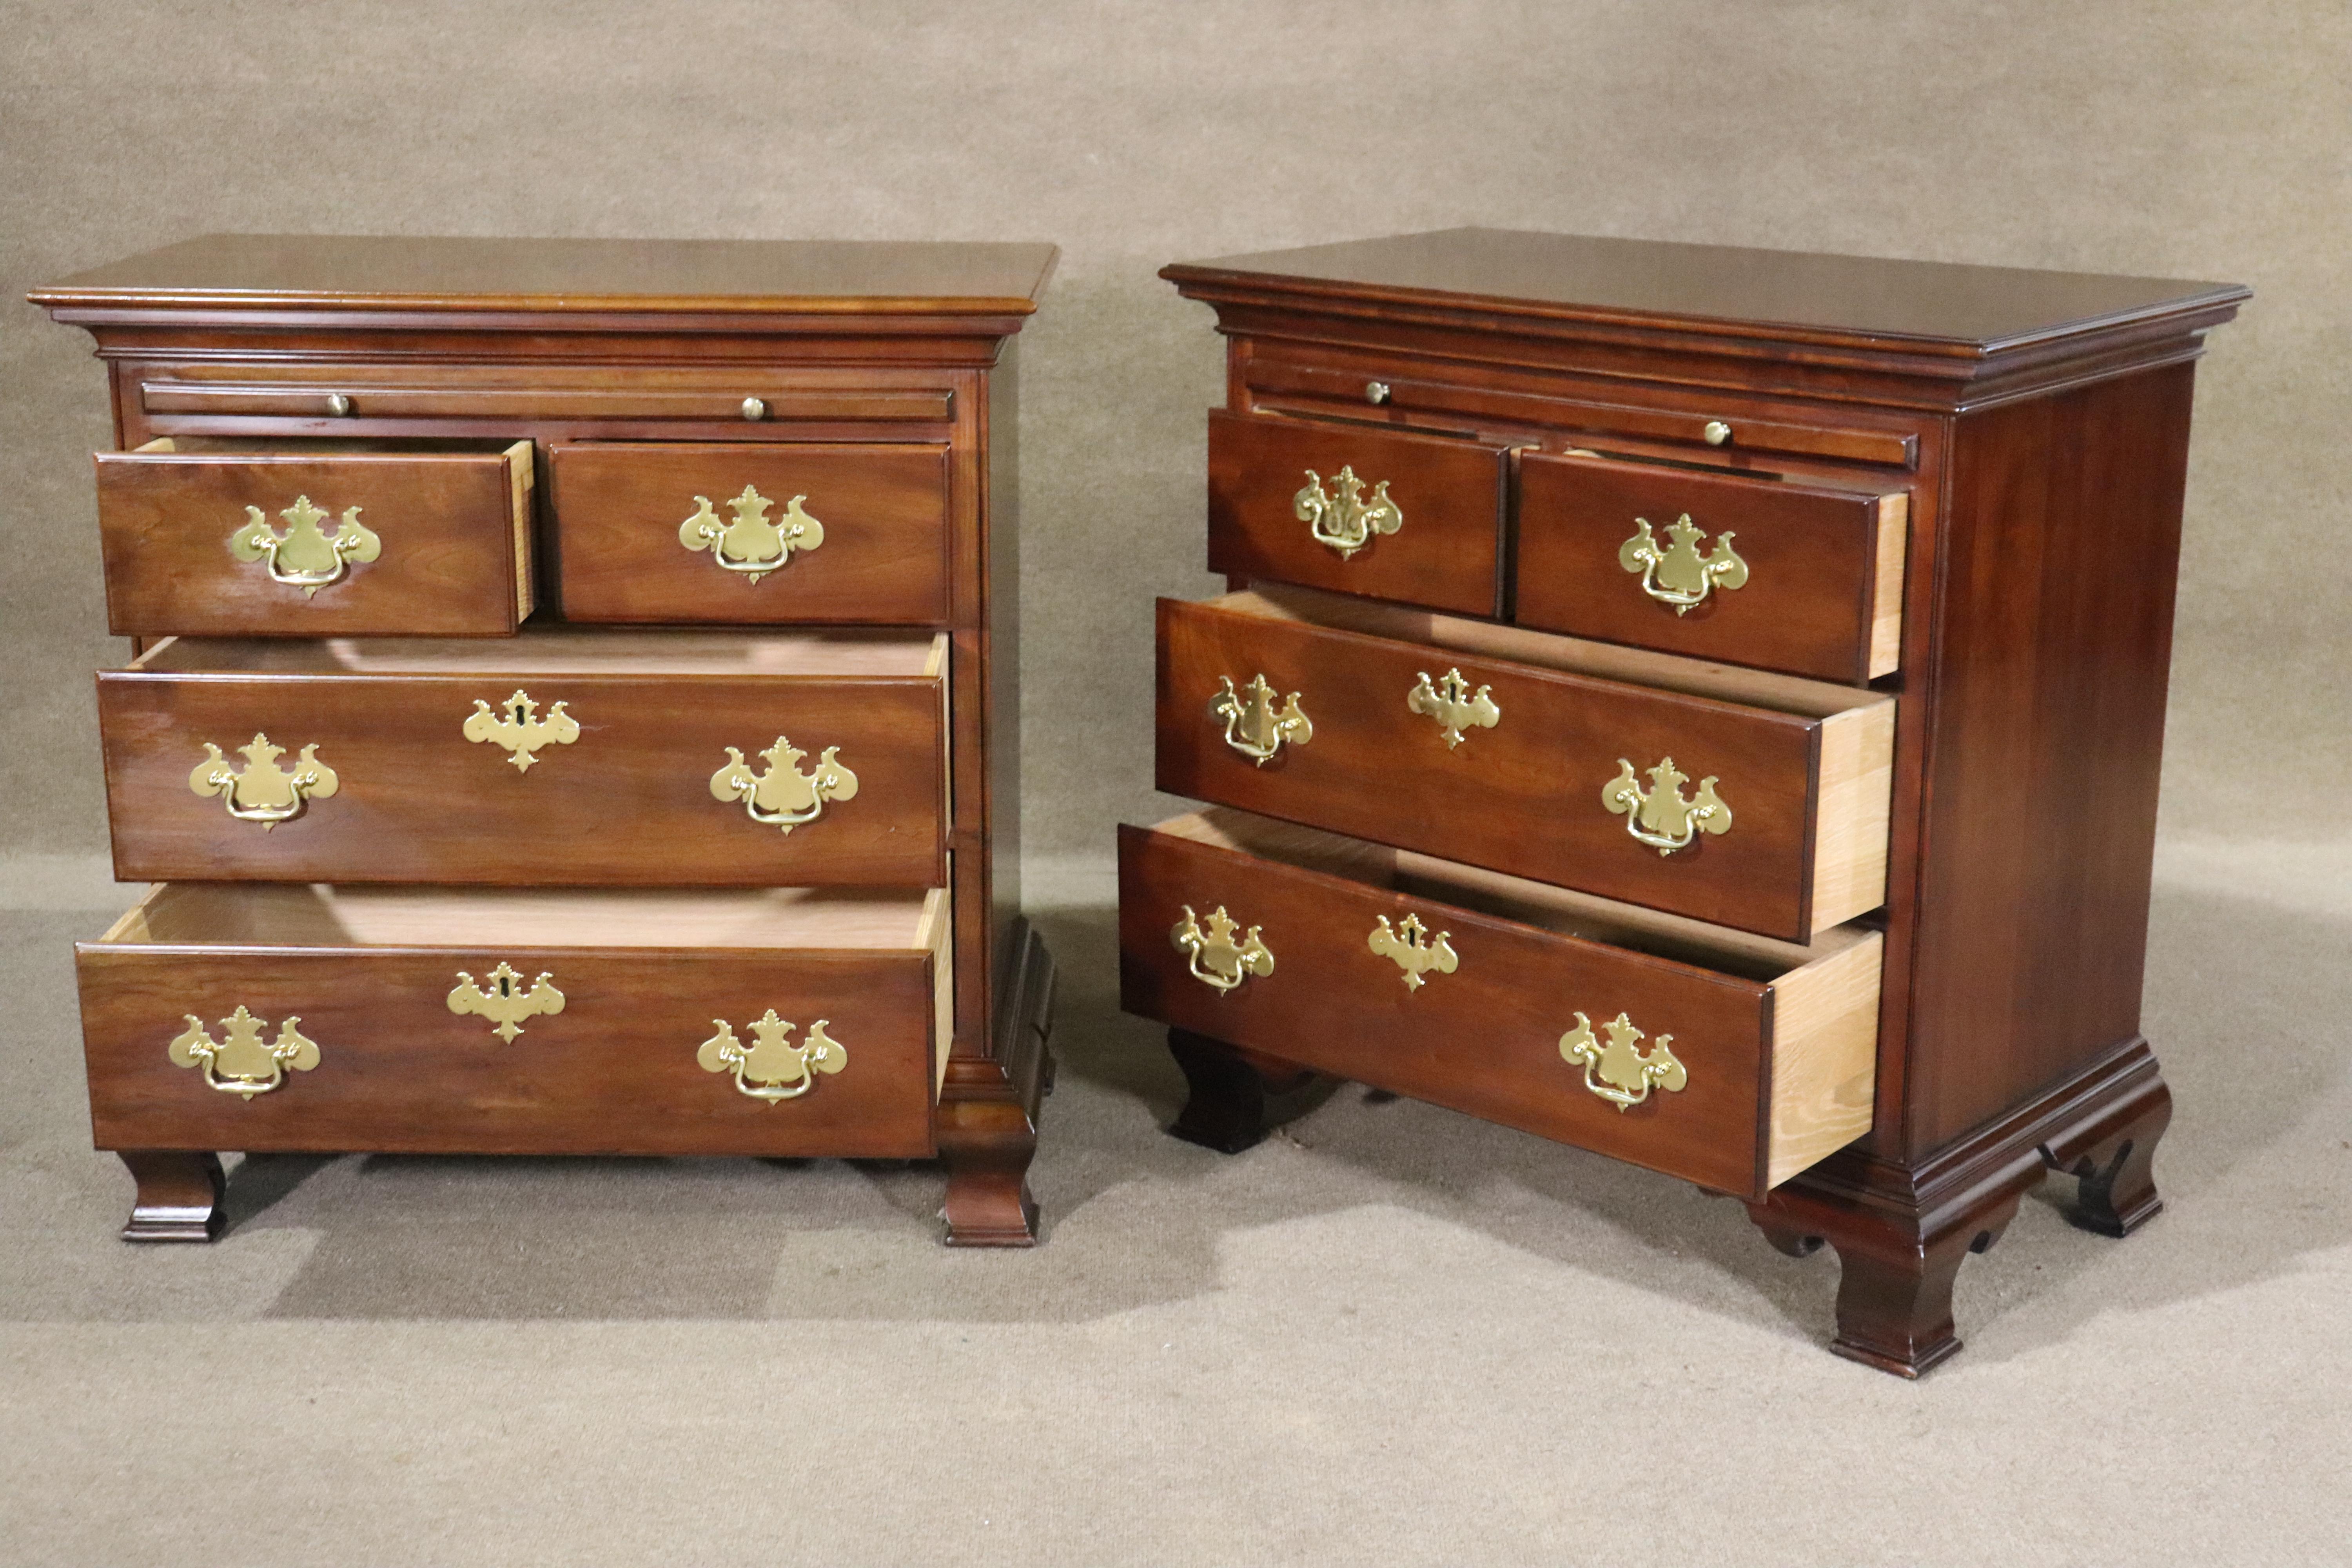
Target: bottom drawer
[
  {"x": 775, "y": 1021},
  {"x": 1732, "y": 1060}
]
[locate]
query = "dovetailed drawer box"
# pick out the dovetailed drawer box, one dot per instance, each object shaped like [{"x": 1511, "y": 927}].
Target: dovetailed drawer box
[
  {"x": 1358, "y": 509},
  {"x": 1733, "y": 1062},
  {"x": 707, "y": 843},
  {"x": 750, "y": 532},
  {"x": 205, "y": 536},
  {"x": 559, "y": 756},
  {"x": 1755, "y": 801},
  {"x": 434, "y": 1022},
  {"x": 1838, "y": 535},
  {"x": 1748, "y": 570}
]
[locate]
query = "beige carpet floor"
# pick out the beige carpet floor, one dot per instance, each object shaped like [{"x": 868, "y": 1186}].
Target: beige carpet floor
[{"x": 1393, "y": 1336}]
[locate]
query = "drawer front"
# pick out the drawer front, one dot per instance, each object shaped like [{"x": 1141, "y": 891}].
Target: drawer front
[
  {"x": 315, "y": 545},
  {"x": 750, "y": 534},
  {"x": 1746, "y": 571},
  {"x": 1410, "y": 518},
  {"x": 1522, "y": 796},
  {"x": 394, "y": 1067},
  {"x": 1485, "y": 1035},
  {"x": 633, "y": 797}
]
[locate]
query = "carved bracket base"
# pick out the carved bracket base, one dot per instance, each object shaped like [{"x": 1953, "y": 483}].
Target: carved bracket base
[
  {"x": 1236, "y": 1096},
  {"x": 987, "y": 1119},
  {"x": 180, "y": 1195}
]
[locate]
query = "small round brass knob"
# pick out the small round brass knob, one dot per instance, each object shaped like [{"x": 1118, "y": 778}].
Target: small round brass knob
[
  {"x": 1716, "y": 432},
  {"x": 338, "y": 404},
  {"x": 754, "y": 409},
  {"x": 1376, "y": 391}
]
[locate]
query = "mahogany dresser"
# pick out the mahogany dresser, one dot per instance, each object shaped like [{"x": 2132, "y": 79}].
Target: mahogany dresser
[
  {"x": 575, "y": 708},
  {"x": 1700, "y": 705}
]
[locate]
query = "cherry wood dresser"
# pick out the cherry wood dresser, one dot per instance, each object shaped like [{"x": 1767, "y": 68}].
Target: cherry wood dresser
[
  {"x": 575, "y": 711},
  {"x": 1700, "y": 705}
]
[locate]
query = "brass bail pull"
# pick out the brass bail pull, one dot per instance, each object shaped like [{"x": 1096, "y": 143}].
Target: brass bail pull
[
  {"x": 1256, "y": 725},
  {"x": 263, "y": 791},
  {"x": 751, "y": 545},
  {"x": 1662, "y": 816},
  {"x": 1618, "y": 1070},
  {"x": 1217, "y": 952},
  {"x": 1343, "y": 517},
  {"x": 241, "y": 1062},
  {"x": 771, "y": 1069},
  {"x": 783, "y": 796},
  {"x": 305, "y": 556},
  {"x": 1676, "y": 574}
]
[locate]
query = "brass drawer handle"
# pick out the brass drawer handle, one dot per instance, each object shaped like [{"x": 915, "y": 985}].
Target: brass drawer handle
[
  {"x": 1254, "y": 726},
  {"x": 1343, "y": 517},
  {"x": 516, "y": 726},
  {"x": 1627, "y": 1074},
  {"x": 1216, "y": 959},
  {"x": 1453, "y": 705},
  {"x": 244, "y": 1064},
  {"x": 1416, "y": 957},
  {"x": 504, "y": 1001},
  {"x": 305, "y": 556},
  {"x": 263, "y": 792},
  {"x": 783, "y": 796},
  {"x": 1679, "y": 575},
  {"x": 1660, "y": 816},
  {"x": 772, "y": 1068},
  {"x": 750, "y": 544}
]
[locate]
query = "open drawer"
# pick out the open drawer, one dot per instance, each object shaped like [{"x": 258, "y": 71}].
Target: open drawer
[
  {"x": 1734, "y": 1061},
  {"x": 205, "y": 536},
  {"x": 781, "y": 1021}
]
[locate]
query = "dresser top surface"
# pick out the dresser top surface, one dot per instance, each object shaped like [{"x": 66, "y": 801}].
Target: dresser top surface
[
  {"x": 380, "y": 272},
  {"x": 1964, "y": 308}
]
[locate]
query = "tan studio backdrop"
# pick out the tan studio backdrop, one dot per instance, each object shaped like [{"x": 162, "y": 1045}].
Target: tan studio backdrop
[{"x": 1390, "y": 1334}]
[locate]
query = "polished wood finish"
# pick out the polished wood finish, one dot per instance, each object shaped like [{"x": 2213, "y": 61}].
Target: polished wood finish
[
  {"x": 1377, "y": 769},
  {"x": 988, "y": 1140},
  {"x": 453, "y": 529},
  {"x": 2039, "y": 423},
  {"x": 400, "y": 1072},
  {"x": 180, "y": 1195},
  {"x": 1824, "y": 595},
  {"x": 1234, "y": 1098},
  {"x": 879, "y": 348},
  {"x": 618, "y": 507},
  {"x": 1779, "y": 1055},
  {"x": 629, "y": 801},
  {"x": 1447, "y": 554}
]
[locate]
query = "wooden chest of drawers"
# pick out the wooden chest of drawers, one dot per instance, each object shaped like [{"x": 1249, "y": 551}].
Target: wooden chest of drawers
[
  {"x": 577, "y": 709},
  {"x": 1700, "y": 705}
]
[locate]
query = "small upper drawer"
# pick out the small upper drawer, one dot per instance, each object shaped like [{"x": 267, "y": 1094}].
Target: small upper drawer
[
  {"x": 1415, "y": 518},
  {"x": 1748, "y": 800},
  {"x": 1728, "y": 1060},
  {"x": 1646, "y": 553},
  {"x": 293, "y": 539},
  {"x": 750, "y": 532}
]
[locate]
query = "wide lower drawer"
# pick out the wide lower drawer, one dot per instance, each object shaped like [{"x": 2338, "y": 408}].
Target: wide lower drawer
[
  {"x": 316, "y": 538},
  {"x": 1733, "y": 1061},
  {"x": 1734, "y": 797},
  {"x": 1747, "y": 569},
  {"x": 559, "y": 757},
  {"x": 750, "y": 532},
  {"x": 1416, "y": 519},
  {"x": 779, "y": 1022}
]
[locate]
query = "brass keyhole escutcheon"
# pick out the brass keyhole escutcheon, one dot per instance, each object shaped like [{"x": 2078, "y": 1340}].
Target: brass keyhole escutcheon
[
  {"x": 1411, "y": 947},
  {"x": 504, "y": 1000},
  {"x": 516, "y": 724},
  {"x": 1453, "y": 705}
]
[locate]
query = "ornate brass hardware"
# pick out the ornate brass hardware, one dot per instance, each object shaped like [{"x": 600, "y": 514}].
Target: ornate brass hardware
[
  {"x": 750, "y": 544},
  {"x": 1216, "y": 959},
  {"x": 1416, "y": 957},
  {"x": 755, "y": 409},
  {"x": 1626, "y": 1073},
  {"x": 244, "y": 1064},
  {"x": 1376, "y": 391},
  {"x": 772, "y": 1068},
  {"x": 504, "y": 1001},
  {"x": 783, "y": 796},
  {"x": 265, "y": 793},
  {"x": 1254, "y": 726},
  {"x": 1343, "y": 517},
  {"x": 1716, "y": 433},
  {"x": 1453, "y": 705},
  {"x": 1660, "y": 816},
  {"x": 516, "y": 726},
  {"x": 1679, "y": 575},
  {"x": 305, "y": 556}
]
